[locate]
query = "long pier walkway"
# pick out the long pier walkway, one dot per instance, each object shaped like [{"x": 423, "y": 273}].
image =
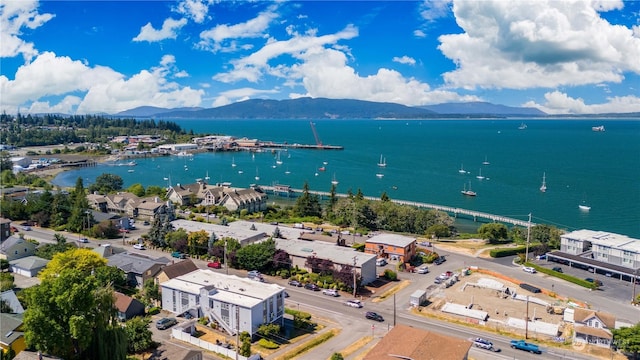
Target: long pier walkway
[{"x": 281, "y": 190}]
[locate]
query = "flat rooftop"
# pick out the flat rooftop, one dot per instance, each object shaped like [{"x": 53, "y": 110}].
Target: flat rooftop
[
  {"x": 323, "y": 250},
  {"x": 391, "y": 239},
  {"x": 604, "y": 238}
]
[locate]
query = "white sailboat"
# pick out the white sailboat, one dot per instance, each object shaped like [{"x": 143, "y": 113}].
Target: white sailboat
[
  {"x": 584, "y": 207},
  {"x": 462, "y": 170},
  {"x": 522, "y": 126},
  {"x": 543, "y": 187},
  {"x": 287, "y": 172},
  {"x": 468, "y": 192},
  {"x": 480, "y": 177},
  {"x": 278, "y": 161},
  {"x": 257, "y": 176},
  {"x": 486, "y": 161},
  {"x": 233, "y": 162},
  {"x": 379, "y": 175},
  {"x": 382, "y": 162},
  {"x": 334, "y": 181}
]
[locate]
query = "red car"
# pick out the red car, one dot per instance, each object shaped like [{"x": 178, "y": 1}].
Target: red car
[{"x": 214, "y": 264}]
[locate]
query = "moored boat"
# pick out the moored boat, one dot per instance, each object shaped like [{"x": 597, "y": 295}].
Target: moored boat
[{"x": 597, "y": 128}]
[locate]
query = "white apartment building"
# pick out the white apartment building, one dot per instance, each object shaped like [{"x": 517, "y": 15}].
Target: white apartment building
[
  {"x": 236, "y": 304},
  {"x": 609, "y": 248}
]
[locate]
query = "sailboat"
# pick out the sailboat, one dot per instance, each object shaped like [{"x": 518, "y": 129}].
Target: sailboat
[
  {"x": 584, "y": 207},
  {"x": 334, "y": 181},
  {"x": 379, "y": 175},
  {"x": 469, "y": 192},
  {"x": 257, "y": 176},
  {"x": 486, "y": 161},
  {"x": 287, "y": 172},
  {"x": 543, "y": 187},
  {"x": 522, "y": 126},
  {"x": 207, "y": 176},
  {"x": 278, "y": 161},
  {"x": 382, "y": 162},
  {"x": 462, "y": 170},
  {"x": 480, "y": 177},
  {"x": 233, "y": 162}
]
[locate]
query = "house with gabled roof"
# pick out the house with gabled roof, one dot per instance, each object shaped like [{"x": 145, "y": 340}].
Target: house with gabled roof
[
  {"x": 11, "y": 333},
  {"x": 11, "y": 299},
  {"x": 234, "y": 199},
  {"x": 174, "y": 270},
  {"x": 28, "y": 266},
  {"x": 593, "y": 327},
  {"x": 127, "y": 307},
  {"x": 406, "y": 342},
  {"x": 15, "y": 247},
  {"x": 138, "y": 268}
]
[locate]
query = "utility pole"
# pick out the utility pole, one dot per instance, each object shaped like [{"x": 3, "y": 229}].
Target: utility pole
[
  {"x": 526, "y": 321},
  {"x": 394, "y": 309},
  {"x": 526, "y": 256},
  {"x": 355, "y": 258}
]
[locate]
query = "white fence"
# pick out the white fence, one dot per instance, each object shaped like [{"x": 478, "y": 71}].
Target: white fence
[{"x": 179, "y": 334}]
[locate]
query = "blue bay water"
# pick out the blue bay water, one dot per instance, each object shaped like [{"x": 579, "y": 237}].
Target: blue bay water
[{"x": 423, "y": 157}]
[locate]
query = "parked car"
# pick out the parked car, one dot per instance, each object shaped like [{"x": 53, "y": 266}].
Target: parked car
[
  {"x": 525, "y": 346},
  {"x": 596, "y": 281},
  {"x": 484, "y": 344},
  {"x": 330, "y": 292},
  {"x": 165, "y": 323},
  {"x": 353, "y": 303},
  {"x": 529, "y": 269},
  {"x": 254, "y": 274},
  {"x": 178, "y": 255},
  {"x": 440, "y": 260},
  {"x": 312, "y": 286},
  {"x": 83, "y": 240},
  {"x": 557, "y": 269},
  {"x": 373, "y": 316},
  {"x": 445, "y": 275},
  {"x": 423, "y": 269},
  {"x": 381, "y": 262},
  {"x": 139, "y": 247},
  {"x": 26, "y": 228},
  {"x": 295, "y": 283},
  {"x": 214, "y": 265},
  {"x": 146, "y": 223}
]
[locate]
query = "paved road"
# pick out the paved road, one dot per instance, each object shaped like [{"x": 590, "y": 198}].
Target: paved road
[{"x": 355, "y": 326}]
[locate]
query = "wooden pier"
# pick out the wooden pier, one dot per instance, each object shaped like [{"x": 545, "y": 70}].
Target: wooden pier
[
  {"x": 286, "y": 190},
  {"x": 270, "y": 144}
]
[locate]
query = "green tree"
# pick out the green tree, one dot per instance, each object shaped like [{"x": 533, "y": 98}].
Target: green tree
[
  {"x": 151, "y": 291},
  {"x": 6, "y": 281},
  {"x": 337, "y": 356},
  {"x": 198, "y": 242},
  {"x": 627, "y": 339},
  {"x": 111, "y": 276},
  {"x": 80, "y": 213},
  {"x": 68, "y": 314},
  {"x": 138, "y": 334},
  {"x": 153, "y": 190},
  {"x": 5, "y": 161},
  {"x": 245, "y": 348},
  {"x": 493, "y": 232},
  {"x": 82, "y": 260},
  {"x": 137, "y": 189},
  {"x": 307, "y": 204},
  {"x": 438, "y": 230},
  {"x": 257, "y": 256},
  {"x": 106, "y": 183},
  {"x": 5, "y": 307},
  {"x": 546, "y": 234}
]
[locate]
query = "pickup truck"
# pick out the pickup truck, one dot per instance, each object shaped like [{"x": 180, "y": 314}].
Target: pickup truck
[{"x": 525, "y": 346}]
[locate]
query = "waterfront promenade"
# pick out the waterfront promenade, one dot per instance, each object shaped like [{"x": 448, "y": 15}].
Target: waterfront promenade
[{"x": 287, "y": 191}]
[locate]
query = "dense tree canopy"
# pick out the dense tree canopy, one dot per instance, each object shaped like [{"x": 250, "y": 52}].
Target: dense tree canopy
[
  {"x": 107, "y": 183},
  {"x": 83, "y": 260}
]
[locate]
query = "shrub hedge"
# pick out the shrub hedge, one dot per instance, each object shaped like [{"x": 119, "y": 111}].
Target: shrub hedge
[
  {"x": 267, "y": 344},
  {"x": 502, "y": 252}
]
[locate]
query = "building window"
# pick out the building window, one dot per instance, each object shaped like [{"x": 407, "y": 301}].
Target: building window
[{"x": 185, "y": 300}]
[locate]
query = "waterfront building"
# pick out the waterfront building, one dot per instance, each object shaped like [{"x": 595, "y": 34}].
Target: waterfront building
[
  {"x": 394, "y": 247},
  {"x": 234, "y": 199},
  {"x": 235, "y": 304}
]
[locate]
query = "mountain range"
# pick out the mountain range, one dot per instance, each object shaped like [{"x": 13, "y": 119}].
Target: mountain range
[{"x": 321, "y": 108}]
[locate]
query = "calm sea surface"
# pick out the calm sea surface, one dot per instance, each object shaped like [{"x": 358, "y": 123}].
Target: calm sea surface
[{"x": 423, "y": 157}]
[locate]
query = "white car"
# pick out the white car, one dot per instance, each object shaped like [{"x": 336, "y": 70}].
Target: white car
[
  {"x": 353, "y": 303},
  {"x": 423, "y": 269},
  {"x": 139, "y": 247},
  {"x": 330, "y": 292},
  {"x": 529, "y": 270},
  {"x": 84, "y": 240}
]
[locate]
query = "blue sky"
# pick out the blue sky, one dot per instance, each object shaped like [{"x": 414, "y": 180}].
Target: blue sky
[{"x": 77, "y": 57}]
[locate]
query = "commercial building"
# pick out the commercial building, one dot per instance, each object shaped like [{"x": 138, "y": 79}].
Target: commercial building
[
  {"x": 391, "y": 246},
  {"x": 235, "y": 304},
  {"x": 600, "y": 252}
]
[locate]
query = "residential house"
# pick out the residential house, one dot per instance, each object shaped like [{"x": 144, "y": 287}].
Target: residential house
[
  {"x": 107, "y": 250},
  {"x": 235, "y": 304},
  {"x": 149, "y": 208},
  {"x": 5, "y": 229},
  {"x": 138, "y": 268},
  {"x": 16, "y": 247},
  {"x": 406, "y": 342},
  {"x": 300, "y": 251},
  {"x": 98, "y": 202},
  {"x": 127, "y": 307},
  {"x": 11, "y": 299},
  {"x": 121, "y": 203},
  {"x": 393, "y": 247},
  {"x": 28, "y": 266},
  {"x": 593, "y": 327},
  {"x": 11, "y": 333},
  {"x": 234, "y": 199},
  {"x": 174, "y": 270}
]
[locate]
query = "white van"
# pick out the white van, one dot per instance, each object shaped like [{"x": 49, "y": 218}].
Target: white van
[{"x": 381, "y": 262}]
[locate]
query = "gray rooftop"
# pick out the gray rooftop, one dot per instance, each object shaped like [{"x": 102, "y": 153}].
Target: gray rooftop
[
  {"x": 391, "y": 239},
  {"x": 131, "y": 263},
  {"x": 337, "y": 254}
]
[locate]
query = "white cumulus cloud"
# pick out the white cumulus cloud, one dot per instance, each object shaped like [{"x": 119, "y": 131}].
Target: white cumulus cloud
[
  {"x": 169, "y": 30},
  {"x": 404, "y": 60},
  {"x": 14, "y": 17},
  {"x": 542, "y": 43},
  {"x": 560, "y": 103},
  {"x": 197, "y": 10},
  {"x": 222, "y": 37}
]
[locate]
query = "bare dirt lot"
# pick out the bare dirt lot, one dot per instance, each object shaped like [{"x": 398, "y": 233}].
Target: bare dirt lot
[{"x": 498, "y": 304}]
